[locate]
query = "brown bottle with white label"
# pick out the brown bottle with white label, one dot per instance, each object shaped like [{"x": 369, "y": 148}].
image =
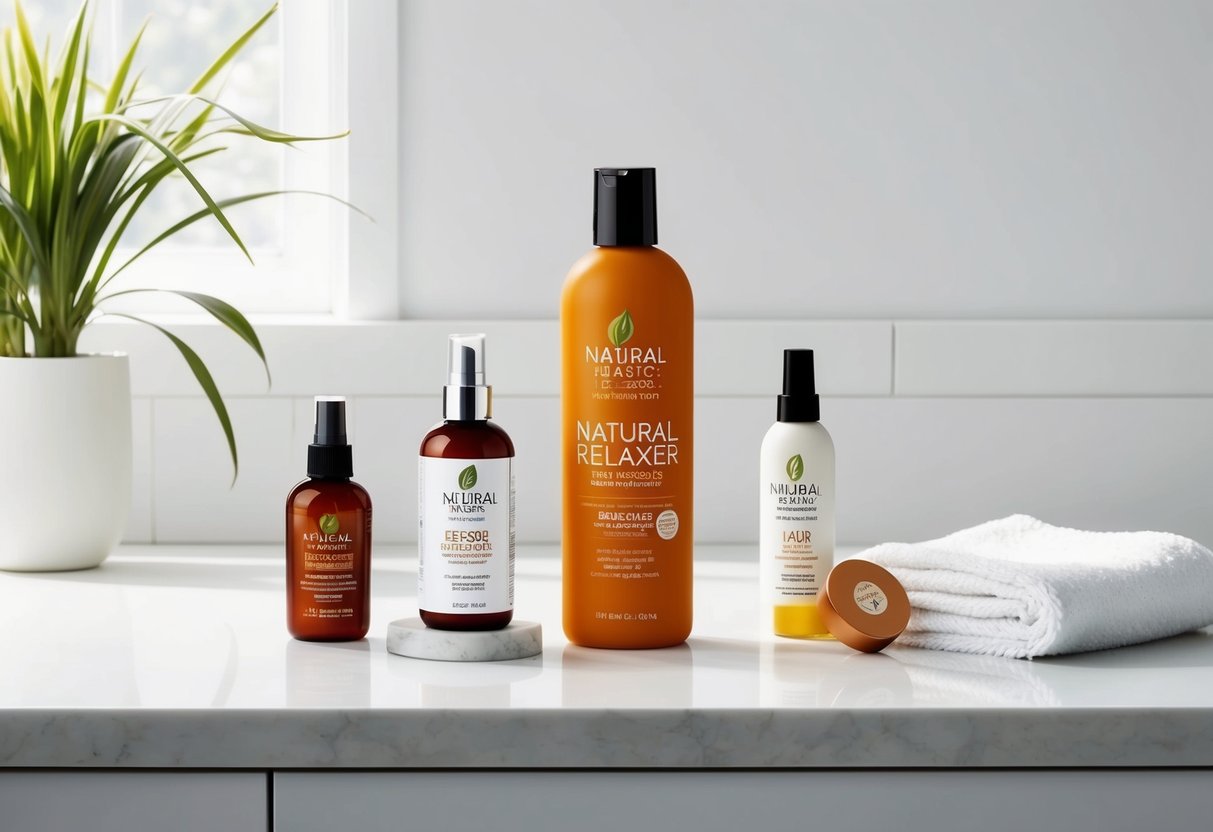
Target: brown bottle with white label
[
  {"x": 465, "y": 539},
  {"x": 328, "y": 538}
]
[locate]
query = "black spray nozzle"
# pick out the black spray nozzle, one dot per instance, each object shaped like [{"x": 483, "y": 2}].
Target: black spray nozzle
[
  {"x": 330, "y": 455},
  {"x": 330, "y": 421},
  {"x": 467, "y": 362},
  {"x": 799, "y": 401},
  {"x": 798, "y": 376},
  {"x": 625, "y": 206}
]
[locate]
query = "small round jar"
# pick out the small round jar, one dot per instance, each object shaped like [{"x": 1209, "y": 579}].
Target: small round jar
[{"x": 863, "y": 605}]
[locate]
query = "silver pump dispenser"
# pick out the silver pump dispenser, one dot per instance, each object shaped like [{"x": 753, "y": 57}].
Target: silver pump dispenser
[{"x": 466, "y": 397}]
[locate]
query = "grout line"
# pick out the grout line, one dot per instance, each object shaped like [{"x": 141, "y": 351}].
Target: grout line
[
  {"x": 1110, "y": 395},
  {"x": 429, "y": 396}
]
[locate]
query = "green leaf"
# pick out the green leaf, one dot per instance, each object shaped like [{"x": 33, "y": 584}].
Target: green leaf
[
  {"x": 621, "y": 329},
  {"x": 32, "y": 62},
  {"x": 191, "y": 133},
  {"x": 82, "y": 89},
  {"x": 222, "y": 311},
  {"x": 150, "y": 177},
  {"x": 329, "y": 524},
  {"x": 143, "y": 187},
  {"x": 251, "y": 128},
  {"x": 231, "y": 52},
  {"x": 467, "y": 477},
  {"x": 67, "y": 71},
  {"x": 215, "y": 210},
  {"x": 26, "y": 225},
  {"x": 795, "y": 468},
  {"x": 87, "y": 228},
  {"x": 114, "y": 94},
  {"x": 223, "y": 203},
  {"x": 9, "y": 313},
  {"x": 205, "y": 381}
]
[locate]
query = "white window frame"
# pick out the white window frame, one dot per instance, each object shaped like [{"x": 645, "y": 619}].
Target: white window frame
[
  {"x": 335, "y": 264},
  {"x": 369, "y": 287}
]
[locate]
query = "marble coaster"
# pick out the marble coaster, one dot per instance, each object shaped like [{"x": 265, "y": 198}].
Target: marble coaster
[{"x": 518, "y": 640}]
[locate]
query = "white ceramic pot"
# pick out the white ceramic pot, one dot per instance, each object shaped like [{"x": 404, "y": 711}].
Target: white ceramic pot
[{"x": 65, "y": 460}]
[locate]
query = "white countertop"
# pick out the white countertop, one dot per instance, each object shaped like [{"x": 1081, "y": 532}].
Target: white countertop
[{"x": 179, "y": 656}]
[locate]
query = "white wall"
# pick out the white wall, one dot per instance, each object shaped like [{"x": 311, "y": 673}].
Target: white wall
[
  {"x": 817, "y": 159},
  {"x": 991, "y": 220}
]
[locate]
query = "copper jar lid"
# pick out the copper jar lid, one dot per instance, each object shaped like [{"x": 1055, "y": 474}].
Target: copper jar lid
[{"x": 863, "y": 605}]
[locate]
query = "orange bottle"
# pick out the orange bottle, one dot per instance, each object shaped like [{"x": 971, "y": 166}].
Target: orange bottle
[{"x": 627, "y": 343}]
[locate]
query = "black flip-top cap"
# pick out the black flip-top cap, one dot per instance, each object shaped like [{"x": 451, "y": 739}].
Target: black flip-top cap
[
  {"x": 799, "y": 401},
  {"x": 330, "y": 455},
  {"x": 625, "y": 206}
]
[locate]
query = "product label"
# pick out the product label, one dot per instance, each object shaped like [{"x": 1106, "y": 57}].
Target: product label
[
  {"x": 797, "y": 531},
  {"x": 870, "y": 598},
  {"x": 628, "y": 454},
  {"x": 329, "y": 543},
  {"x": 466, "y": 537}
]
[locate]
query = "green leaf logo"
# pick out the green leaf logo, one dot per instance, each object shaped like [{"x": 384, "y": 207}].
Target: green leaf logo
[
  {"x": 795, "y": 468},
  {"x": 621, "y": 329},
  {"x": 329, "y": 524},
  {"x": 467, "y": 477}
]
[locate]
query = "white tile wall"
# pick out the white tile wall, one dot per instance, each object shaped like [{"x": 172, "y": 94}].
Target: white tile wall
[
  {"x": 386, "y": 440},
  {"x": 918, "y": 468},
  {"x": 1054, "y": 358},
  {"x": 139, "y": 520},
  {"x": 948, "y": 159},
  {"x": 534, "y": 425},
  {"x": 195, "y": 498},
  {"x": 744, "y": 358},
  {"x": 950, "y": 448},
  {"x": 409, "y": 358},
  {"x": 366, "y": 358},
  {"x": 912, "y": 469}
]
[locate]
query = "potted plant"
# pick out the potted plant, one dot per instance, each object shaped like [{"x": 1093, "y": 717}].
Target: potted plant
[{"x": 78, "y": 159}]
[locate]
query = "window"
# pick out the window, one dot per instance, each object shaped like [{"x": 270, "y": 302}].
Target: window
[{"x": 290, "y": 77}]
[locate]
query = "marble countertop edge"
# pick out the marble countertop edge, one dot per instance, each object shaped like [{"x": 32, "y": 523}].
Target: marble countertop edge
[{"x": 605, "y": 739}]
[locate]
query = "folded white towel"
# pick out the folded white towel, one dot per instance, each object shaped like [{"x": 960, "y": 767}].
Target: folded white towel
[{"x": 1022, "y": 588}]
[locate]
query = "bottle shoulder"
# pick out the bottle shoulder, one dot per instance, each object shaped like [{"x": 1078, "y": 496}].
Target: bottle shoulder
[
  {"x": 613, "y": 263},
  {"x": 813, "y": 434},
  {"x": 467, "y": 440},
  {"x": 348, "y": 493}
]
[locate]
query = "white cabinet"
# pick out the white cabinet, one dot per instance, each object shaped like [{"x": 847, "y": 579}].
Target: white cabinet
[
  {"x": 1107, "y": 800},
  {"x": 728, "y": 801},
  {"x": 120, "y": 801}
]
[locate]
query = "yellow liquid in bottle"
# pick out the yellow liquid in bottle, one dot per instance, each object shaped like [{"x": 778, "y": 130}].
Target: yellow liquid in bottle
[{"x": 799, "y": 621}]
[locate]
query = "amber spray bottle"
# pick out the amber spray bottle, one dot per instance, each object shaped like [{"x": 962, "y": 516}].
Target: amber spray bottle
[
  {"x": 328, "y": 538},
  {"x": 465, "y": 573}
]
